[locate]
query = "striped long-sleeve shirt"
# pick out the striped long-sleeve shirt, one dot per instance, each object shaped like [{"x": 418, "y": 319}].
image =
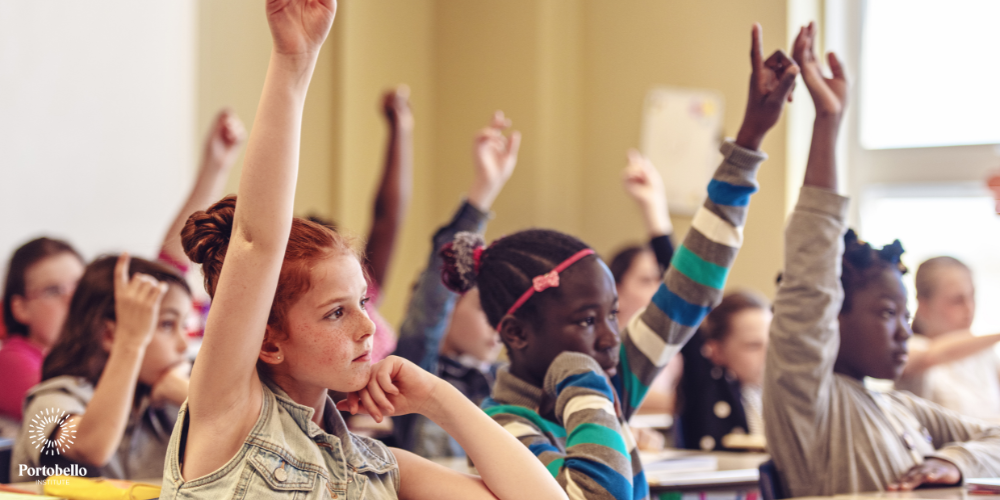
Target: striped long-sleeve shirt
[{"x": 588, "y": 448}]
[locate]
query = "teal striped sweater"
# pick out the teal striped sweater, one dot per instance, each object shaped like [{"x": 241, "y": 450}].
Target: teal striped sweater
[{"x": 589, "y": 448}]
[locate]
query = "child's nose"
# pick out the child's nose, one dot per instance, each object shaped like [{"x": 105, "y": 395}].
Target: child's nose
[
  {"x": 903, "y": 331},
  {"x": 608, "y": 335},
  {"x": 182, "y": 342},
  {"x": 365, "y": 327}
]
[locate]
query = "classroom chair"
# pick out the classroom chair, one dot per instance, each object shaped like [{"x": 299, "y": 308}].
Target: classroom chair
[
  {"x": 770, "y": 482},
  {"x": 6, "y": 452}
]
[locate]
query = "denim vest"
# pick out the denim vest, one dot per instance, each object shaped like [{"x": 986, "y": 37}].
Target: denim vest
[{"x": 286, "y": 455}]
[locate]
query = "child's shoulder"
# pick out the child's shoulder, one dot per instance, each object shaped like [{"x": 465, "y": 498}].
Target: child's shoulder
[{"x": 61, "y": 388}]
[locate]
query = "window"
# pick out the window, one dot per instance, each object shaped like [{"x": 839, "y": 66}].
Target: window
[
  {"x": 945, "y": 219},
  {"x": 928, "y": 75}
]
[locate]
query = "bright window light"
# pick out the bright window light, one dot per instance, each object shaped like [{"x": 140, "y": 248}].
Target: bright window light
[
  {"x": 929, "y": 73},
  {"x": 964, "y": 227}
]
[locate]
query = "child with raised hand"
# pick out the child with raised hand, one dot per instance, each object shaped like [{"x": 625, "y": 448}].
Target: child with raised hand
[
  {"x": 573, "y": 382},
  {"x": 391, "y": 203},
  {"x": 947, "y": 364},
  {"x": 638, "y": 272},
  {"x": 445, "y": 333},
  {"x": 288, "y": 324},
  {"x": 108, "y": 377},
  {"x": 826, "y": 432}
]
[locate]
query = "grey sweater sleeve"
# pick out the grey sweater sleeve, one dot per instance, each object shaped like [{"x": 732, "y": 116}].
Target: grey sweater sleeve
[
  {"x": 805, "y": 334},
  {"x": 972, "y": 445}
]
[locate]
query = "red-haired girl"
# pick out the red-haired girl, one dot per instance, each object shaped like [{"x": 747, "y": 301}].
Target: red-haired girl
[{"x": 288, "y": 323}]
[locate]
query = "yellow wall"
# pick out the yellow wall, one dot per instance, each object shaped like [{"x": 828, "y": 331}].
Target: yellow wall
[{"x": 572, "y": 74}]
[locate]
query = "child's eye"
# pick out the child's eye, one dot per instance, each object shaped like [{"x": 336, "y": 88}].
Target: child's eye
[
  {"x": 588, "y": 322},
  {"x": 364, "y": 302},
  {"x": 167, "y": 325},
  {"x": 614, "y": 314},
  {"x": 337, "y": 313},
  {"x": 888, "y": 313}
]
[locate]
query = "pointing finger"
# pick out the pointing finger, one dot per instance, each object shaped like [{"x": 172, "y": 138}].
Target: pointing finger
[
  {"x": 756, "y": 42},
  {"x": 121, "y": 271}
]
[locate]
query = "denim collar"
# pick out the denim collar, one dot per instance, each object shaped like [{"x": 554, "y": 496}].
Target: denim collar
[{"x": 355, "y": 451}]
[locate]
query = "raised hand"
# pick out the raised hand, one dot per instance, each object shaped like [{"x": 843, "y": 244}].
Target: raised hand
[
  {"x": 137, "y": 304},
  {"x": 299, "y": 27},
  {"x": 396, "y": 387},
  {"x": 828, "y": 94},
  {"x": 495, "y": 157},
  {"x": 396, "y": 106},
  {"x": 645, "y": 185},
  {"x": 771, "y": 84},
  {"x": 224, "y": 140},
  {"x": 932, "y": 471}
]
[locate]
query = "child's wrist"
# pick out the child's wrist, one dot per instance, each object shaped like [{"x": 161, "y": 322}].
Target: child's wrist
[
  {"x": 442, "y": 403},
  {"x": 749, "y": 137}
]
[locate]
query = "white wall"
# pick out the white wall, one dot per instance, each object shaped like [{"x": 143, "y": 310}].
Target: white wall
[{"x": 97, "y": 106}]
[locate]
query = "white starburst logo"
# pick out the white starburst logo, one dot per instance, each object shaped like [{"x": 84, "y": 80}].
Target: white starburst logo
[{"x": 64, "y": 433}]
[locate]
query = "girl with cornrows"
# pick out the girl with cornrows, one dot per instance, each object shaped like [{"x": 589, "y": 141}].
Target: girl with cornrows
[
  {"x": 573, "y": 381},
  {"x": 288, "y": 324},
  {"x": 840, "y": 315}
]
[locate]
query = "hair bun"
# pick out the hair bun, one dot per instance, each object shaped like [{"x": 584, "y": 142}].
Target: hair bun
[
  {"x": 462, "y": 258},
  {"x": 206, "y": 237}
]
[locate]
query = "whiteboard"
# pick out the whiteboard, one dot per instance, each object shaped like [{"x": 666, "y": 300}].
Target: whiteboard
[
  {"x": 681, "y": 134},
  {"x": 97, "y": 104}
]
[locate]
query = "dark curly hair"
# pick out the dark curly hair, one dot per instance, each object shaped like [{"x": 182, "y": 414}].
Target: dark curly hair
[
  {"x": 862, "y": 263},
  {"x": 504, "y": 270}
]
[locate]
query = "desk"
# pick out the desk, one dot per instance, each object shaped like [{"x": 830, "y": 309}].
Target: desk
[
  {"x": 924, "y": 494},
  {"x": 736, "y": 472}
]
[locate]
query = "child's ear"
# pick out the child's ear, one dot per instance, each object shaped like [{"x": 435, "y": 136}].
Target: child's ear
[
  {"x": 108, "y": 335},
  {"x": 270, "y": 351},
  {"x": 513, "y": 333},
  {"x": 19, "y": 309},
  {"x": 711, "y": 351}
]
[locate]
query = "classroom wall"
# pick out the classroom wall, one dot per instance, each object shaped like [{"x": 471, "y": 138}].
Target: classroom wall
[
  {"x": 95, "y": 112},
  {"x": 572, "y": 74}
]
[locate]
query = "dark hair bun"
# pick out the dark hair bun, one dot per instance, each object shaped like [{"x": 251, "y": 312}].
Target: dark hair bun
[
  {"x": 206, "y": 238},
  {"x": 461, "y": 261}
]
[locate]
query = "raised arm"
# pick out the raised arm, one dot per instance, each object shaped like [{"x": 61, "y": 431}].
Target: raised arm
[
  {"x": 805, "y": 335},
  {"x": 222, "y": 147},
  {"x": 101, "y": 428},
  {"x": 225, "y": 394},
  {"x": 645, "y": 185},
  {"x": 430, "y": 308},
  {"x": 394, "y": 191},
  {"x": 945, "y": 349},
  {"x": 693, "y": 284}
]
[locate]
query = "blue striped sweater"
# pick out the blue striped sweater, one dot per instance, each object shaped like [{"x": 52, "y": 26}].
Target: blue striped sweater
[{"x": 589, "y": 448}]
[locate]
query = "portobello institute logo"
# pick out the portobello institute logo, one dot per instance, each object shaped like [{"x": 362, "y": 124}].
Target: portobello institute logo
[{"x": 59, "y": 437}]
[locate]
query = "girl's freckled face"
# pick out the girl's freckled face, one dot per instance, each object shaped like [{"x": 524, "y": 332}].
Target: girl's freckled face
[{"x": 329, "y": 341}]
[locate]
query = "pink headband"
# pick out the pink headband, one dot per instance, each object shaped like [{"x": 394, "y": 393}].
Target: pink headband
[{"x": 548, "y": 280}]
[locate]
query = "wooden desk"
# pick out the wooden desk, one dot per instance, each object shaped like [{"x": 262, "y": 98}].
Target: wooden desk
[
  {"x": 736, "y": 472},
  {"x": 923, "y": 494}
]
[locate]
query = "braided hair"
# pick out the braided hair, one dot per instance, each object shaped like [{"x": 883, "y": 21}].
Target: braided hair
[
  {"x": 504, "y": 270},
  {"x": 862, "y": 263}
]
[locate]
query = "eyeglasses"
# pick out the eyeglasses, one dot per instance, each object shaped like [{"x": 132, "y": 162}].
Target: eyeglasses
[{"x": 52, "y": 292}]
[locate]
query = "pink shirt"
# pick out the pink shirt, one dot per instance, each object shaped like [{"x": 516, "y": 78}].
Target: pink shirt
[
  {"x": 20, "y": 370},
  {"x": 384, "y": 342}
]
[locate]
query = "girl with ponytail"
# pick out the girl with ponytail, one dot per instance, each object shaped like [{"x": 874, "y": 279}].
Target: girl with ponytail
[
  {"x": 288, "y": 325},
  {"x": 573, "y": 380},
  {"x": 447, "y": 333}
]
